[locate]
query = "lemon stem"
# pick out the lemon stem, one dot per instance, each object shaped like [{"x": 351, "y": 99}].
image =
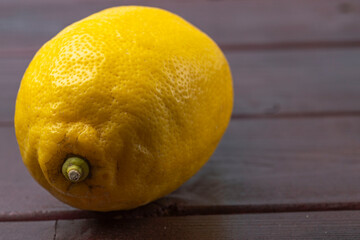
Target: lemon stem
[{"x": 75, "y": 169}]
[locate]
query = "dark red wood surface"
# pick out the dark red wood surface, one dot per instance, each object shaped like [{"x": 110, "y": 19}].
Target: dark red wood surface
[
  {"x": 293, "y": 144},
  {"x": 331, "y": 225},
  {"x": 28, "y": 24},
  {"x": 305, "y": 225},
  {"x": 43, "y": 230}
]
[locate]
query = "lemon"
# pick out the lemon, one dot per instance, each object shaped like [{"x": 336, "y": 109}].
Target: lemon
[{"x": 122, "y": 107}]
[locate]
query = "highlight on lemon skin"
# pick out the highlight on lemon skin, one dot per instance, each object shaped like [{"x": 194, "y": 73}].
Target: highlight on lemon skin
[{"x": 75, "y": 169}]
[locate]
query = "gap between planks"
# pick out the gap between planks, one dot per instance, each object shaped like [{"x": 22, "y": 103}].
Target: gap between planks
[{"x": 174, "y": 211}]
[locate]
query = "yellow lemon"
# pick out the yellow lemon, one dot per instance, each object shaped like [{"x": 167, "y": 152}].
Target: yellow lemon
[{"x": 122, "y": 107}]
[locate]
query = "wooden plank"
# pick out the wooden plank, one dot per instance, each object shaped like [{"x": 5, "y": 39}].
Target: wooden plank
[
  {"x": 305, "y": 225},
  {"x": 262, "y": 165},
  {"x": 44, "y": 230},
  {"x": 295, "y": 82},
  {"x": 283, "y": 161},
  {"x": 29, "y": 24},
  {"x": 11, "y": 72},
  {"x": 266, "y": 83}
]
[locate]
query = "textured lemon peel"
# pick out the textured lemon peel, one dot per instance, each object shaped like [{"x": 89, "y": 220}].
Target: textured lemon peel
[{"x": 147, "y": 117}]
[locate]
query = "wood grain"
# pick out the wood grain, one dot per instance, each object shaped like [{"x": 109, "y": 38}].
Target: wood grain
[
  {"x": 266, "y": 83},
  {"x": 44, "y": 230},
  {"x": 27, "y": 24},
  {"x": 306, "y": 225},
  {"x": 263, "y": 165},
  {"x": 295, "y": 82}
]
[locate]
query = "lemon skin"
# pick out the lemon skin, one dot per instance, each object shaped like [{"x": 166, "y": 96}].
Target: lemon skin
[{"x": 139, "y": 93}]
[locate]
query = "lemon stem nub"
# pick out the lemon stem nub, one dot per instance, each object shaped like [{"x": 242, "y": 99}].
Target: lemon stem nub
[{"x": 75, "y": 169}]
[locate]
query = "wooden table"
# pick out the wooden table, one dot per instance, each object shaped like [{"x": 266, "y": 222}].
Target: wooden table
[{"x": 288, "y": 166}]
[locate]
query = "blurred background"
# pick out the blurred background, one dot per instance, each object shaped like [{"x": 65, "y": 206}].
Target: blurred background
[{"x": 292, "y": 144}]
